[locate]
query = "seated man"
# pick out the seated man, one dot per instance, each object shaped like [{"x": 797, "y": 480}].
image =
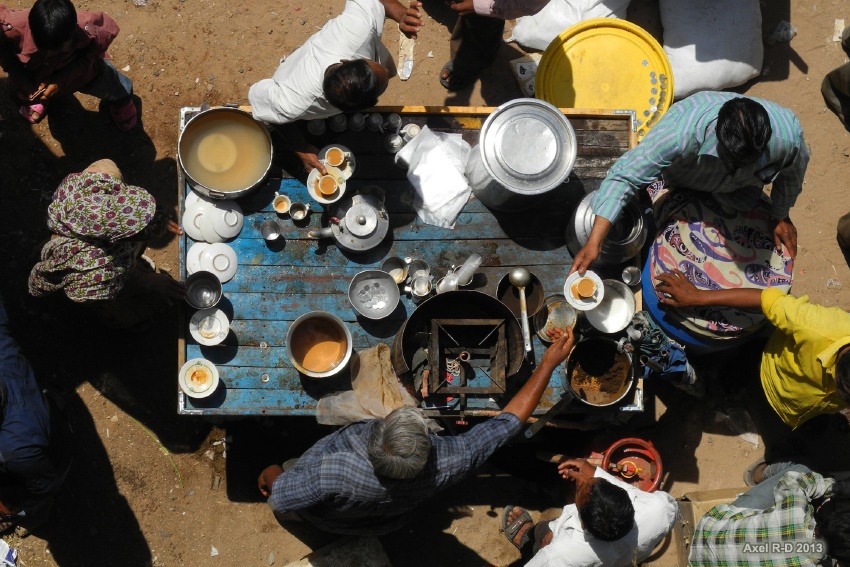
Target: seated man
[
  {"x": 805, "y": 368},
  {"x": 342, "y": 68},
  {"x": 715, "y": 142},
  {"x": 51, "y": 50},
  {"x": 369, "y": 477},
  {"x": 30, "y": 455},
  {"x": 793, "y": 516},
  {"x": 611, "y": 523}
]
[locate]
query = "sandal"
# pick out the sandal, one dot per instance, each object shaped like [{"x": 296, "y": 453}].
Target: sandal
[
  {"x": 452, "y": 81},
  {"x": 749, "y": 474},
  {"x": 28, "y": 110},
  {"x": 513, "y": 528},
  {"x": 124, "y": 114}
]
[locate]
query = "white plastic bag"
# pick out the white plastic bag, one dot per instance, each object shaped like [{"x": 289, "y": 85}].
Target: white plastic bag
[
  {"x": 712, "y": 45},
  {"x": 538, "y": 31}
]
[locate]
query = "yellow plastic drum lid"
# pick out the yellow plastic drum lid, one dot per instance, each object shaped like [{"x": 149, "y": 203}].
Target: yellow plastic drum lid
[{"x": 607, "y": 63}]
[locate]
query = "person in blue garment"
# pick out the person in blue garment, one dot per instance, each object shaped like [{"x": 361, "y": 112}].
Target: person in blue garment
[{"x": 370, "y": 477}]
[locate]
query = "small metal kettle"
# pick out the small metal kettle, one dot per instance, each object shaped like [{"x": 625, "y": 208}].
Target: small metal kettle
[{"x": 359, "y": 223}]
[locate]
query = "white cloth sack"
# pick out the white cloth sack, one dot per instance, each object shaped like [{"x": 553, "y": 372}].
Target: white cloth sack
[
  {"x": 435, "y": 162},
  {"x": 712, "y": 45},
  {"x": 538, "y": 31}
]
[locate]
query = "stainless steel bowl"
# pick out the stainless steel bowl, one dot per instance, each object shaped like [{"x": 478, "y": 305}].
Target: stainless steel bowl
[
  {"x": 615, "y": 311},
  {"x": 313, "y": 327},
  {"x": 623, "y": 242},
  {"x": 374, "y": 294},
  {"x": 203, "y": 290}
]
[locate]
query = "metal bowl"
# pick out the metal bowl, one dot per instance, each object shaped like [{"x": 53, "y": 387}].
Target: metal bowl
[
  {"x": 374, "y": 294},
  {"x": 315, "y": 330},
  {"x": 556, "y": 312},
  {"x": 203, "y": 290},
  {"x": 615, "y": 311}
]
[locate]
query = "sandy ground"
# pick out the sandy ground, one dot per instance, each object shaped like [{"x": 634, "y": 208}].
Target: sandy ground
[{"x": 151, "y": 488}]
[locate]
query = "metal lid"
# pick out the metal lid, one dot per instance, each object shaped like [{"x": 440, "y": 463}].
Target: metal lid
[
  {"x": 361, "y": 220},
  {"x": 528, "y": 146}
]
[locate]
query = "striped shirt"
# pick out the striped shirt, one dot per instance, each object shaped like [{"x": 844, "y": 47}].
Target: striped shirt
[
  {"x": 682, "y": 148},
  {"x": 782, "y": 535},
  {"x": 335, "y": 488}
]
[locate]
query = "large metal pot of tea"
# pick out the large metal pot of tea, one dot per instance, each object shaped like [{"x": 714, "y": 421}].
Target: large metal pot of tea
[
  {"x": 224, "y": 152},
  {"x": 460, "y": 304},
  {"x": 319, "y": 344},
  {"x": 623, "y": 241},
  {"x": 526, "y": 148},
  {"x": 597, "y": 373}
]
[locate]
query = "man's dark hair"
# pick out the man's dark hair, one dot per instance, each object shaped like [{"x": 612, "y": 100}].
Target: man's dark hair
[
  {"x": 743, "y": 129},
  {"x": 352, "y": 85},
  {"x": 52, "y": 23},
  {"x": 608, "y": 513},
  {"x": 833, "y": 522}
]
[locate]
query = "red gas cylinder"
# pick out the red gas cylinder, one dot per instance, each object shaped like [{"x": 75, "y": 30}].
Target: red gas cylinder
[{"x": 634, "y": 461}]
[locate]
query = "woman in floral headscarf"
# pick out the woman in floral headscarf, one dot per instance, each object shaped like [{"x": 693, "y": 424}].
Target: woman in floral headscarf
[{"x": 100, "y": 225}]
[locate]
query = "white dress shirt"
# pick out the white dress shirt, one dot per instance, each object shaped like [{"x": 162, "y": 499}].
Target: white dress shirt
[
  {"x": 655, "y": 514},
  {"x": 295, "y": 90}
]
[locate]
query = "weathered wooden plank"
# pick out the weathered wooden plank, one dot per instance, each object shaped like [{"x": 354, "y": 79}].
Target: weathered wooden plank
[{"x": 502, "y": 252}]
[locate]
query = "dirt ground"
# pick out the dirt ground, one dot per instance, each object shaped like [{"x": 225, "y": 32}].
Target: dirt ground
[{"x": 151, "y": 488}]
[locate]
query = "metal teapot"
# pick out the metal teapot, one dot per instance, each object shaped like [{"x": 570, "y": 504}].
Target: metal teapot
[{"x": 359, "y": 223}]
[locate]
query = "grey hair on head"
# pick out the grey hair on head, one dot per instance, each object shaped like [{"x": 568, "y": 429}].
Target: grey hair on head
[{"x": 399, "y": 444}]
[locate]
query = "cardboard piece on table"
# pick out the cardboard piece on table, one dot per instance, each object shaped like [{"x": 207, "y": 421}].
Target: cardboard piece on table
[{"x": 692, "y": 507}]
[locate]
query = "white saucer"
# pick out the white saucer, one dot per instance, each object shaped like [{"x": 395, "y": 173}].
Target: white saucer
[
  {"x": 311, "y": 186},
  {"x": 188, "y": 386},
  {"x": 350, "y": 164},
  {"x": 193, "y": 197},
  {"x": 220, "y": 326},
  {"x": 226, "y": 218},
  {"x": 193, "y": 257},
  {"x": 584, "y": 304},
  {"x": 192, "y": 219},
  {"x": 219, "y": 259}
]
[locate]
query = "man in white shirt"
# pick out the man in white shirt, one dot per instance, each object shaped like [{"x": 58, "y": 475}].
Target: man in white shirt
[
  {"x": 342, "y": 68},
  {"x": 611, "y": 524}
]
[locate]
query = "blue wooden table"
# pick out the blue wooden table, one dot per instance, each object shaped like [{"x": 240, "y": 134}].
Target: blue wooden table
[{"x": 275, "y": 283}]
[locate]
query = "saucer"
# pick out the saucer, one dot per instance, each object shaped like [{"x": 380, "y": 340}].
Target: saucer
[
  {"x": 226, "y": 218},
  {"x": 187, "y": 385},
  {"x": 584, "y": 304},
  {"x": 192, "y": 219},
  {"x": 311, "y": 186},
  {"x": 193, "y": 197},
  {"x": 193, "y": 257},
  {"x": 350, "y": 164},
  {"x": 219, "y": 259},
  {"x": 217, "y": 330}
]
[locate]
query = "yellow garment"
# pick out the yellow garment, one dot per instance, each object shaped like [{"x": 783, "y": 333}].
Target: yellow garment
[{"x": 798, "y": 363}]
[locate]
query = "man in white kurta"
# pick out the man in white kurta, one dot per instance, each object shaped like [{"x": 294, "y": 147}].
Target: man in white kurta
[{"x": 572, "y": 546}]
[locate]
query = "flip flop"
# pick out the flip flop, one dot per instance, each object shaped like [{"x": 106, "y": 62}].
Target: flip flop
[
  {"x": 455, "y": 82},
  {"x": 749, "y": 478},
  {"x": 512, "y": 529},
  {"x": 124, "y": 114},
  {"x": 27, "y": 111}
]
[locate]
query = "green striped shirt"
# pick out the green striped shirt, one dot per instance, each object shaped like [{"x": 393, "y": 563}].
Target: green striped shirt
[
  {"x": 782, "y": 535},
  {"x": 682, "y": 148}
]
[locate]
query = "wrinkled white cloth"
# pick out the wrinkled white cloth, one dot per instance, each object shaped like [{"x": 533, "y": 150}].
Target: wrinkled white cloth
[
  {"x": 435, "y": 162},
  {"x": 537, "y": 31}
]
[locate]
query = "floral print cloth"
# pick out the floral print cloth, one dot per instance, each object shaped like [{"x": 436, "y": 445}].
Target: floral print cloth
[
  {"x": 717, "y": 247},
  {"x": 93, "y": 213}
]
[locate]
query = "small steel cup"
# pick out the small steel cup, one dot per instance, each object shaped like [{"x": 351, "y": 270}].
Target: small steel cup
[
  {"x": 418, "y": 268},
  {"x": 203, "y": 290},
  {"x": 631, "y": 275},
  {"x": 396, "y": 267},
  {"x": 270, "y": 230},
  {"x": 419, "y": 288},
  {"x": 299, "y": 211}
]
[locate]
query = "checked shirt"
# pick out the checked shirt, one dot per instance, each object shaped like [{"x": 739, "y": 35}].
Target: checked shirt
[
  {"x": 335, "y": 488},
  {"x": 782, "y": 535}
]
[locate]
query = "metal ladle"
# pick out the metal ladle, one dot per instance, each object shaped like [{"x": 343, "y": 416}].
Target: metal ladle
[{"x": 520, "y": 278}]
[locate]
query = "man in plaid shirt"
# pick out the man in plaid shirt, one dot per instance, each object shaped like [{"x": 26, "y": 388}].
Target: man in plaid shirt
[
  {"x": 794, "y": 517},
  {"x": 369, "y": 477}
]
